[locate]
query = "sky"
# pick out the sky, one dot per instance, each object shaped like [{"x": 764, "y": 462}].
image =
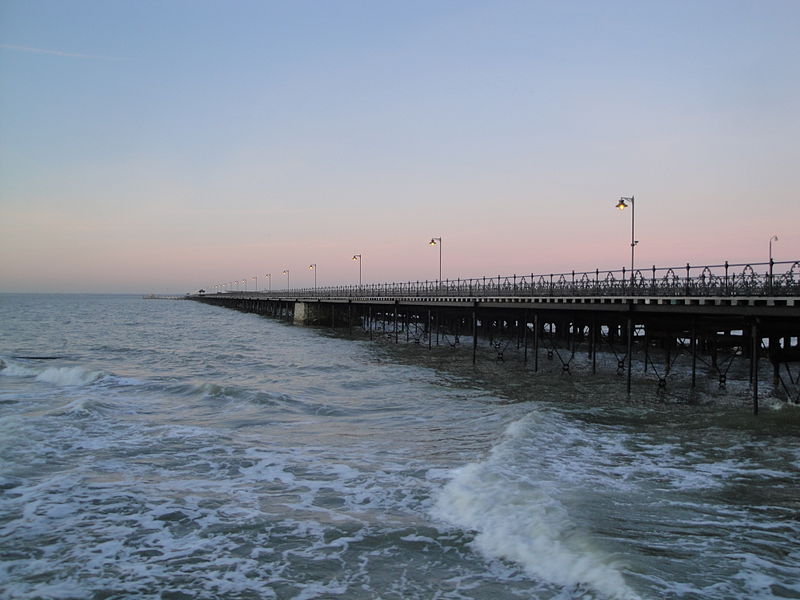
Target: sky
[{"x": 167, "y": 146}]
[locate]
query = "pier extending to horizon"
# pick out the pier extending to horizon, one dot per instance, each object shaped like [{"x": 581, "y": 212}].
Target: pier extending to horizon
[{"x": 715, "y": 315}]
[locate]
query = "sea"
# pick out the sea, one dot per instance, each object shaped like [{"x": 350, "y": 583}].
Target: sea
[{"x": 172, "y": 450}]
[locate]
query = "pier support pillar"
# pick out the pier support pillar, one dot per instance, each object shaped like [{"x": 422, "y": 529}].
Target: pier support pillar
[
  {"x": 694, "y": 353},
  {"x": 754, "y": 364},
  {"x": 474, "y": 332},
  {"x": 630, "y": 351}
]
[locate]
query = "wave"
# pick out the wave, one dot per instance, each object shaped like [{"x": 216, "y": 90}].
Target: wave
[
  {"x": 69, "y": 376},
  {"x": 63, "y": 376},
  {"x": 524, "y": 520},
  {"x": 82, "y": 376}
]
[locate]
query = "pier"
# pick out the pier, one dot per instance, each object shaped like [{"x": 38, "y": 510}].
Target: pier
[{"x": 711, "y": 315}]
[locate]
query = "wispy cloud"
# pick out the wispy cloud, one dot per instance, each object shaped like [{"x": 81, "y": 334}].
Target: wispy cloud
[{"x": 56, "y": 52}]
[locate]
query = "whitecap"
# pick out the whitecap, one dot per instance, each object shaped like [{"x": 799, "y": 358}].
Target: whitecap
[
  {"x": 524, "y": 520},
  {"x": 68, "y": 376},
  {"x": 12, "y": 369}
]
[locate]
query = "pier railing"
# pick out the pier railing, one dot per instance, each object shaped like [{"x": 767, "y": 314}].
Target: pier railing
[{"x": 722, "y": 280}]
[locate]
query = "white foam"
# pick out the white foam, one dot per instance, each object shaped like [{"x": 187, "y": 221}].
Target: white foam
[
  {"x": 12, "y": 369},
  {"x": 68, "y": 376},
  {"x": 523, "y": 520}
]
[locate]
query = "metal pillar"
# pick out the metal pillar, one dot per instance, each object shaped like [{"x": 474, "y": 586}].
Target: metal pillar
[
  {"x": 694, "y": 352},
  {"x": 593, "y": 343},
  {"x": 525, "y": 334},
  {"x": 430, "y": 336},
  {"x": 474, "y": 332},
  {"x": 630, "y": 350},
  {"x": 754, "y": 365},
  {"x": 535, "y": 342}
]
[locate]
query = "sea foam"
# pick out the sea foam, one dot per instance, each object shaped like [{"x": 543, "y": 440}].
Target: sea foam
[
  {"x": 521, "y": 519},
  {"x": 66, "y": 376}
]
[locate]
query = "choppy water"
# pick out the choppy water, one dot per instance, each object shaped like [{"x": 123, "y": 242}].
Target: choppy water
[{"x": 176, "y": 450}]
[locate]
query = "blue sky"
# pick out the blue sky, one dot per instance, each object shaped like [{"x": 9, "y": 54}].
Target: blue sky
[{"x": 163, "y": 146}]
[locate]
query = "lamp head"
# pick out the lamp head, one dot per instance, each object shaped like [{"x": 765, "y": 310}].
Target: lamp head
[
  {"x": 356, "y": 256},
  {"x": 432, "y": 242},
  {"x": 311, "y": 267},
  {"x": 621, "y": 204}
]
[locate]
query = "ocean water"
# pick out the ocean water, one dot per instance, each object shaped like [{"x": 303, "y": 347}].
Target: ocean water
[{"x": 169, "y": 450}]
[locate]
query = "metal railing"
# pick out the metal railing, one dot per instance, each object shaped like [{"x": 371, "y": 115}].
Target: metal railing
[{"x": 723, "y": 280}]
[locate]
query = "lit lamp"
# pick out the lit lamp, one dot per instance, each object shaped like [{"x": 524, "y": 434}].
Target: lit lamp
[
  {"x": 433, "y": 242},
  {"x": 622, "y": 206},
  {"x": 313, "y": 267},
  {"x": 357, "y": 258},
  {"x": 286, "y": 272}
]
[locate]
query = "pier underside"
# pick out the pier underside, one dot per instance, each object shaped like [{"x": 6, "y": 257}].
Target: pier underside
[{"x": 672, "y": 342}]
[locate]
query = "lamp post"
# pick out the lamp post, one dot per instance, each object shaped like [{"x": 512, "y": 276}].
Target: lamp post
[
  {"x": 286, "y": 272},
  {"x": 622, "y": 206},
  {"x": 313, "y": 267},
  {"x": 774, "y": 238},
  {"x": 245, "y": 283},
  {"x": 357, "y": 258},
  {"x": 433, "y": 242},
  {"x": 269, "y": 280},
  {"x": 256, "y": 280}
]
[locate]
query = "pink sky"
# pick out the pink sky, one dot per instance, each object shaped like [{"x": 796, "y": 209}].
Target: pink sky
[{"x": 136, "y": 156}]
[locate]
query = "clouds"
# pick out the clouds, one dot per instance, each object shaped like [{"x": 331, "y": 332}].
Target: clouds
[{"x": 56, "y": 52}]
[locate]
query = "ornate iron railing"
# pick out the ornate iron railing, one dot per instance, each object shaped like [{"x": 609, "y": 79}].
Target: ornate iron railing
[{"x": 743, "y": 279}]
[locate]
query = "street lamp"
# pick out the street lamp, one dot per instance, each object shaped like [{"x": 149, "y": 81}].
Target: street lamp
[
  {"x": 256, "y": 280},
  {"x": 357, "y": 258},
  {"x": 433, "y": 242},
  {"x": 286, "y": 272},
  {"x": 774, "y": 238},
  {"x": 269, "y": 279},
  {"x": 622, "y": 206},
  {"x": 313, "y": 267}
]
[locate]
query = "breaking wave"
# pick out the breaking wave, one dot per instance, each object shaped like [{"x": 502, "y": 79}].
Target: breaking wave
[{"x": 520, "y": 517}]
